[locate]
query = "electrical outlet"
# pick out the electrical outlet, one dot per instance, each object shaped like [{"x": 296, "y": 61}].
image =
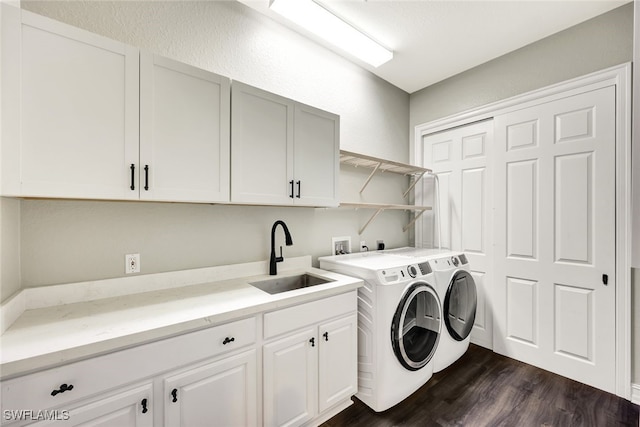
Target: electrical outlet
[
  {"x": 132, "y": 263},
  {"x": 363, "y": 246}
]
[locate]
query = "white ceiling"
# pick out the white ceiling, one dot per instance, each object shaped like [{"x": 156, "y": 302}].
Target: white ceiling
[{"x": 436, "y": 39}]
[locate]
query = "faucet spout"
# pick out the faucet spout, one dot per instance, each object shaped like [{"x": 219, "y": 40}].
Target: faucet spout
[{"x": 273, "y": 260}]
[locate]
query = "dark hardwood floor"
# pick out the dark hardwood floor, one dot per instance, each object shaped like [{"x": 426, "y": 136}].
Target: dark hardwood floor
[{"x": 485, "y": 389}]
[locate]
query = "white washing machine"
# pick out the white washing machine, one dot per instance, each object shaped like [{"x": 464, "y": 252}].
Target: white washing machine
[
  {"x": 458, "y": 294},
  {"x": 399, "y": 324}
]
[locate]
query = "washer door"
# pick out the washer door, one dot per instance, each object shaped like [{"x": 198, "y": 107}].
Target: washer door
[
  {"x": 415, "y": 329},
  {"x": 460, "y": 304}
]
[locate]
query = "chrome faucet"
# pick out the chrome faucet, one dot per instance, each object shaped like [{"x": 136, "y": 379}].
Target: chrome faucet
[{"x": 273, "y": 259}]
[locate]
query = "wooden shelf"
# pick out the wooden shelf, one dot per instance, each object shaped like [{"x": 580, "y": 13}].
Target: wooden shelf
[{"x": 377, "y": 164}]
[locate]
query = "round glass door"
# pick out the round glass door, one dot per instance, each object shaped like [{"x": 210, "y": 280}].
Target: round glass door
[
  {"x": 416, "y": 325},
  {"x": 460, "y": 305}
]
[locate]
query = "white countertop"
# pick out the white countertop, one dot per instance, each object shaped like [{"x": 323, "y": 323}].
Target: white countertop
[{"x": 45, "y": 337}]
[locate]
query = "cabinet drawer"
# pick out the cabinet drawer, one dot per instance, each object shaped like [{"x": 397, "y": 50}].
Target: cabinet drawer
[
  {"x": 42, "y": 390},
  {"x": 292, "y": 318}
]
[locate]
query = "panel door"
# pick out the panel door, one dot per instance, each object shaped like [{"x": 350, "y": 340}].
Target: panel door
[
  {"x": 221, "y": 393},
  {"x": 316, "y": 156},
  {"x": 463, "y": 200},
  {"x": 184, "y": 132},
  {"x": 290, "y": 376},
  {"x": 261, "y": 147},
  {"x": 337, "y": 361},
  {"x": 74, "y": 98},
  {"x": 555, "y": 237},
  {"x": 129, "y": 408}
]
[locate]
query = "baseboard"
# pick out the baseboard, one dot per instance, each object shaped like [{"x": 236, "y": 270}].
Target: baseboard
[
  {"x": 330, "y": 413},
  {"x": 635, "y": 394}
]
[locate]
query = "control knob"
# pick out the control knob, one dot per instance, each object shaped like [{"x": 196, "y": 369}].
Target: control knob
[
  {"x": 454, "y": 260},
  {"x": 412, "y": 271}
]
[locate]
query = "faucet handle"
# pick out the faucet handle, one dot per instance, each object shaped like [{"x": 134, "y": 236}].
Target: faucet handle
[{"x": 280, "y": 258}]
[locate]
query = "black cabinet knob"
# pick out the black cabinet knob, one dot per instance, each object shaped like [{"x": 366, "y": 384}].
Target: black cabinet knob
[
  {"x": 313, "y": 342},
  {"x": 144, "y": 406},
  {"x": 227, "y": 340},
  {"x": 174, "y": 393},
  {"x": 326, "y": 336},
  {"x": 62, "y": 389}
]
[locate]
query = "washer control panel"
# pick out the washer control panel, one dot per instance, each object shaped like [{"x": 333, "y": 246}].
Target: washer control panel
[
  {"x": 449, "y": 262},
  {"x": 397, "y": 274}
]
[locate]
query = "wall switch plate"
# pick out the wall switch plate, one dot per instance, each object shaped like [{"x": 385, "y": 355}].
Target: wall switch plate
[
  {"x": 340, "y": 245},
  {"x": 132, "y": 263}
]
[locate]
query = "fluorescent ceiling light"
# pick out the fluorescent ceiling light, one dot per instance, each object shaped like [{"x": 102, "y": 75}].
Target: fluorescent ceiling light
[{"x": 319, "y": 21}]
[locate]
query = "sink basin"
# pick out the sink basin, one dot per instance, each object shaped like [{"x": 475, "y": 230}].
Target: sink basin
[{"x": 289, "y": 283}]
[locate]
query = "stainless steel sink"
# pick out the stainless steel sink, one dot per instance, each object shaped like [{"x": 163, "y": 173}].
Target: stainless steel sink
[{"x": 289, "y": 283}]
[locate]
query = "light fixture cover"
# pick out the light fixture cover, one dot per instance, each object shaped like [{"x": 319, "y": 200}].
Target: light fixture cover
[{"x": 314, "y": 18}]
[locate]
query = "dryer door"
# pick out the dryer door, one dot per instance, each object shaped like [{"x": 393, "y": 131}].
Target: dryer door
[
  {"x": 460, "y": 304},
  {"x": 416, "y": 325}
]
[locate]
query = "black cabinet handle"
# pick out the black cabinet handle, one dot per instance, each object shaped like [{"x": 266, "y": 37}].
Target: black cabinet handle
[
  {"x": 174, "y": 393},
  {"x": 313, "y": 342},
  {"x": 326, "y": 336},
  {"x": 291, "y": 195},
  {"x": 133, "y": 177},
  {"x": 63, "y": 388},
  {"x": 146, "y": 177},
  {"x": 144, "y": 406},
  {"x": 605, "y": 279},
  {"x": 298, "y": 195},
  {"x": 227, "y": 340}
]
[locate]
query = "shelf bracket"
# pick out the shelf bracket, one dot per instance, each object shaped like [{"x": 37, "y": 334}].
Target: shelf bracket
[
  {"x": 413, "y": 221},
  {"x": 370, "y": 176},
  {"x": 413, "y": 184},
  {"x": 364, "y": 227}
]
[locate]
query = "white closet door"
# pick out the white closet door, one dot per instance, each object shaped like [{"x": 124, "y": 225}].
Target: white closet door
[
  {"x": 555, "y": 236},
  {"x": 461, "y": 159}
]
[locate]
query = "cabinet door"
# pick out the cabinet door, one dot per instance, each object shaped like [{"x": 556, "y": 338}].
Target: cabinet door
[
  {"x": 261, "y": 147},
  {"x": 316, "y": 156},
  {"x": 222, "y": 393},
  {"x": 184, "y": 132},
  {"x": 337, "y": 361},
  {"x": 290, "y": 379},
  {"x": 73, "y": 120},
  {"x": 130, "y": 408}
]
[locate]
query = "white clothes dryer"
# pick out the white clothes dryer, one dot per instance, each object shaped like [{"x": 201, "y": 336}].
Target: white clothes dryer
[
  {"x": 399, "y": 324},
  {"x": 458, "y": 295}
]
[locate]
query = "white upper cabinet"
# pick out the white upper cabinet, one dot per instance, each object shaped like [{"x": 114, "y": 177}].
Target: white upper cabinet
[
  {"x": 184, "y": 132},
  {"x": 282, "y": 152},
  {"x": 261, "y": 146},
  {"x": 70, "y": 110},
  {"x": 87, "y": 117},
  {"x": 316, "y": 156}
]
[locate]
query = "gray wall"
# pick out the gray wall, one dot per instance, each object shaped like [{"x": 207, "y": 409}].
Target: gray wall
[
  {"x": 601, "y": 42},
  {"x": 593, "y": 45},
  {"x": 63, "y": 241}
]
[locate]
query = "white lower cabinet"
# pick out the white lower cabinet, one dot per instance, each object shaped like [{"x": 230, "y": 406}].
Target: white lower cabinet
[
  {"x": 128, "y": 408},
  {"x": 290, "y": 379},
  {"x": 313, "y": 370},
  {"x": 337, "y": 361},
  {"x": 210, "y": 377},
  {"x": 220, "y": 393}
]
